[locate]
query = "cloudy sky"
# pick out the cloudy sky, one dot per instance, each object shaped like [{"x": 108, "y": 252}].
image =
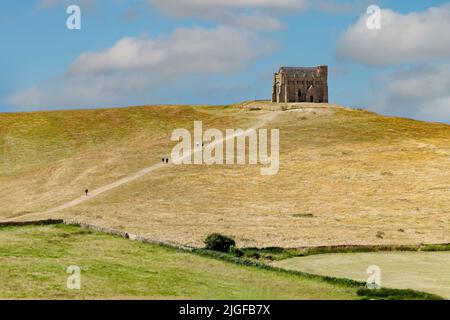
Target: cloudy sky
[{"x": 133, "y": 52}]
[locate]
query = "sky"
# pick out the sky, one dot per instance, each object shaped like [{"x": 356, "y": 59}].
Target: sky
[{"x": 140, "y": 52}]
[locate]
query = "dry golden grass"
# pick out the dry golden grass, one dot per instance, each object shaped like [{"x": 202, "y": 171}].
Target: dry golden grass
[
  {"x": 49, "y": 158},
  {"x": 346, "y": 177}
]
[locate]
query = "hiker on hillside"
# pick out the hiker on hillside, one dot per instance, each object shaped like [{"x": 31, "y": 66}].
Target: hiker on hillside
[
  {"x": 87, "y": 191},
  {"x": 167, "y": 160}
]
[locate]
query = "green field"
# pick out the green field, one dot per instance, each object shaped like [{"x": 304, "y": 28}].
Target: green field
[
  {"x": 423, "y": 271},
  {"x": 34, "y": 259}
]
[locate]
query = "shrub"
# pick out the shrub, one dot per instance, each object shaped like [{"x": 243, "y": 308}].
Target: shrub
[
  {"x": 218, "y": 242},
  {"x": 236, "y": 251},
  {"x": 253, "y": 255}
]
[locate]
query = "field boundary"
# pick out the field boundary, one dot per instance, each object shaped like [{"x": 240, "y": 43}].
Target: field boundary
[
  {"x": 279, "y": 253},
  {"x": 31, "y": 223},
  {"x": 306, "y": 251}
]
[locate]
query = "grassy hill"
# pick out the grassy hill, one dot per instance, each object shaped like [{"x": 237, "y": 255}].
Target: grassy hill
[{"x": 346, "y": 176}]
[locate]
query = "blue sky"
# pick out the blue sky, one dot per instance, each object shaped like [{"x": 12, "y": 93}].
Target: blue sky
[{"x": 223, "y": 51}]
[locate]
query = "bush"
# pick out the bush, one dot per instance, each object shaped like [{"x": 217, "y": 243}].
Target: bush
[
  {"x": 253, "y": 255},
  {"x": 218, "y": 242},
  {"x": 236, "y": 251}
]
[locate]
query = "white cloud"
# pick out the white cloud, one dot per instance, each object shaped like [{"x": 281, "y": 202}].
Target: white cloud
[
  {"x": 197, "y": 50},
  {"x": 134, "y": 68},
  {"x": 421, "y": 92},
  {"x": 403, "y": 38}
]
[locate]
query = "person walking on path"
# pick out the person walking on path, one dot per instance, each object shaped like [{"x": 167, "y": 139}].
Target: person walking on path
[{"x": 87, "y": 191}]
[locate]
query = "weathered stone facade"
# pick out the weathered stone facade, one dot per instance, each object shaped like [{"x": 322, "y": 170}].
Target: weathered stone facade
[{"x": 292, "y": 84}]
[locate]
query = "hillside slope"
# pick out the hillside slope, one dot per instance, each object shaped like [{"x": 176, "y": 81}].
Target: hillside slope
[{"x": 346, "y": 176}]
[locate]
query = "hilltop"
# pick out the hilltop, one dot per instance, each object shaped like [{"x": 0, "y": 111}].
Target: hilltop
[{"x": 346, "y": 176}]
